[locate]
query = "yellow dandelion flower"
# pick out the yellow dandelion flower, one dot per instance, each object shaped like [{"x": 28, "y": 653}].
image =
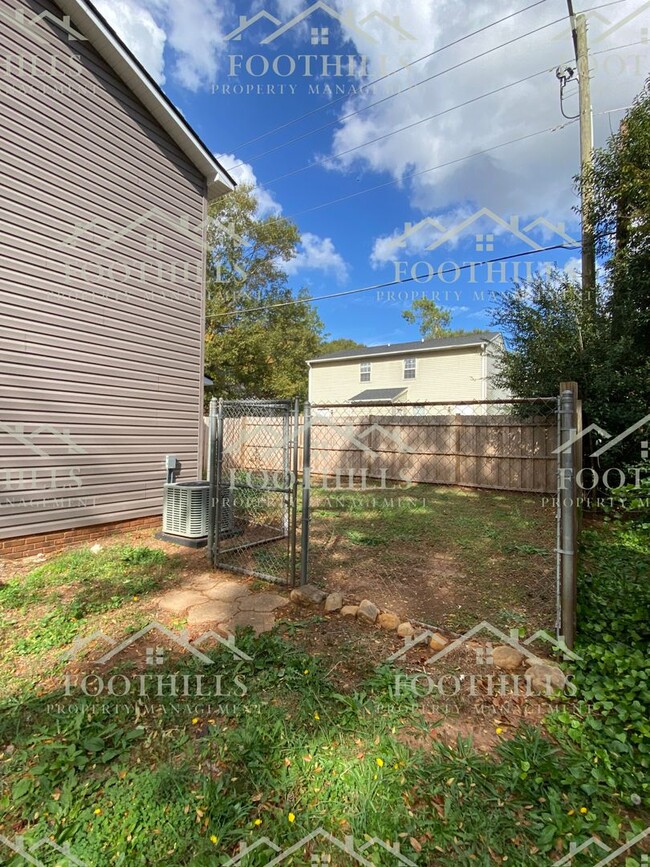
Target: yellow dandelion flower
[
  {"x": 214, "y": 839},
  {"x": 291, "y": 817},
  {"x": 306, "y": 671},
  {"x": 570, "y": 812},
  {"x": 316, "y": 715},
  {"x": 195, "y": 720},
  {"x": 135, "y": 598},
  {"x": 257, "y": 822},
  {"x": 583, "y": 810},
  {"x": 97, "y": 811},
  {"x": 380, "y": 762},
  {"x": 499, "y": 731}
]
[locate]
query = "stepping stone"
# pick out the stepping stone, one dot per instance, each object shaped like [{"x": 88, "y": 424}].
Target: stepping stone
[
  {"x": 203, "y": 582},
  {"x": 178, "y": 601},
  {"x": 308, "y": 595},
  {"x": 507, "y": 658},
  {"x": 438, "y": 642},
  {"x": 263, "y": 603},
  {"x": 349, "y": 610},
  {"x": 212, "y": 611},
  {"x": 227, "y": 591},
  {"x": 259, "y": 621},
  {"x": 404, "y": 630}
]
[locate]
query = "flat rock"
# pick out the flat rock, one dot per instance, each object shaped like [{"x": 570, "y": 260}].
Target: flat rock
[
  {"x": 507, "y": 658},
  {"x": 368, "y": 611},
  {"x": 308, "y": 595},
  {"x": 405, "y": 629},
  {"x": 212, "y": 611},
  {"x": 178, "y": 601},
  {"x": 227, "y": 591},
  {"x": 259, "y": 621},
  {"x": 438, "y": 642},
  {"x": 334, "y": 602},
  {"x": 545, "y": 679},
  {"x": 388, "y": 620},
  {"x": 262, "y": 602},
  {"x": 349, "y": 610}
]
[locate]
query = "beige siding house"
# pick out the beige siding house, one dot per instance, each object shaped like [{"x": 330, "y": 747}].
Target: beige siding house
[
  {"x": 103, "y": 201},
  {"x": 453, "y": 369}
]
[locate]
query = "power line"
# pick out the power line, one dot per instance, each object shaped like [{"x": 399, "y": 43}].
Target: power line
[
  {"x": 410, "y": 87},
  {"x": 400, "y": 92},
  {"x": 394, "y": 282},
  {"x": 408, "y": 126},
  {"x": 431, "y": 169},
  {"x": 389, "y": 74}
]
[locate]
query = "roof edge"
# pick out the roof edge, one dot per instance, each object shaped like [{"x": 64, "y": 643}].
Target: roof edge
[
  {"x": 122, "y": 60},
  {"x": 396, "y": 350}
]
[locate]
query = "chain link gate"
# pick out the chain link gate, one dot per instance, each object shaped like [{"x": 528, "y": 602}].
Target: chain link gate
[{"x": 253, "y": 474}]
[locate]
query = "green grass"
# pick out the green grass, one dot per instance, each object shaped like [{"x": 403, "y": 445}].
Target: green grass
[{"x": 173, "y": 783}]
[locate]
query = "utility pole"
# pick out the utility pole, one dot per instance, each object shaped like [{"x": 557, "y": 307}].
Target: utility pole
[{"x": 579, "y": 31}]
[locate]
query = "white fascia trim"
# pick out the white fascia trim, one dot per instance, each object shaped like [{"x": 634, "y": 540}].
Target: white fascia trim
[{"x": 101, "y": 38}]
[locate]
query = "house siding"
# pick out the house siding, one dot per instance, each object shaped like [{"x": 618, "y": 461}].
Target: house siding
[
  {"x": 453, "y": 375},
  {"x": 101, "y": 284}
]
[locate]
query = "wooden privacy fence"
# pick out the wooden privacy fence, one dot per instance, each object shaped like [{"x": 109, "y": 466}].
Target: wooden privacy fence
[{"x": 504, "y": 450}]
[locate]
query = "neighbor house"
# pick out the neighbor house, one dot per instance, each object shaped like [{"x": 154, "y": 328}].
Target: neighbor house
[
  {"x": 448, "y": 369},
  {"x": 104, "y": 190}
]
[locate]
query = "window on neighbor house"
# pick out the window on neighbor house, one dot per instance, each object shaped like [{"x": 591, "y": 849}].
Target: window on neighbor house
[
  {"x": 364, "y": 371},
  {"x": 409, "y": 368}
]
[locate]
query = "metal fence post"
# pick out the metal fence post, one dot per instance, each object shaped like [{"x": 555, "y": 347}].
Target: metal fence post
[
  {"x": 567, "y": 494},
  {"x": 306, "y": 490},
  {"x": 212, "y": 432},
  {"x": 292, "y": 484}
]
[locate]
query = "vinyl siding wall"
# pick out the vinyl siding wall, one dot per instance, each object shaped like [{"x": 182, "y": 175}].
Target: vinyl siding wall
[
  {"x": 101, "y": 288},
  {"x": 453, "y": 375}
]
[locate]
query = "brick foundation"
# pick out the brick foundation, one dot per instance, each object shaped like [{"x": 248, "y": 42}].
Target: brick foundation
[{"x": 48, "y": 543}]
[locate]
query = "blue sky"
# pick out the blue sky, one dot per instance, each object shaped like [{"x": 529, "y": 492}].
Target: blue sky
[{"x": 300, "y": 58}]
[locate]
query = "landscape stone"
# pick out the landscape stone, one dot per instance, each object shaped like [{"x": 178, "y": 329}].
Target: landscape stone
[
  {"x": 507, "y": 658},
  {"x": 308, "y": 595},
  {"x": 388, "y": 620},
  {"x": 349, "y": 610},
  {"x": 404, "y": 630},
  {"x": 438, "y": 642},
  {"x": 545, "y": 679},
  {"x": 368, "y": 611},
  {"x": 178, "y": 601},
  {"x": 334, "y": 602},
  {"x": 263, "y": 603},
  {"x": 212, "y": 611}
]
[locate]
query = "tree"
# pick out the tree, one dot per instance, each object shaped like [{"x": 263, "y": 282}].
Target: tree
[
  {"x": 258, "y": 334},
  {"x": 433, "y": 321},
  {"x": 339, "y": 344}
]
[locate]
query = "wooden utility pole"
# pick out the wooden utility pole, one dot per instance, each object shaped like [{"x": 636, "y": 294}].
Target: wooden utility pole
[{"x": 579, "y": 30}]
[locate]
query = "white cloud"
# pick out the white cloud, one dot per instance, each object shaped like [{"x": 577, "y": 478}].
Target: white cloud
[
  {"x": 244, "y": 174},
  {"x": 530, "y": 178},
  {"x": 136, "y": 26},
  {"x": 191, "y": 29},
  {"x": 318, "y": 254}
]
